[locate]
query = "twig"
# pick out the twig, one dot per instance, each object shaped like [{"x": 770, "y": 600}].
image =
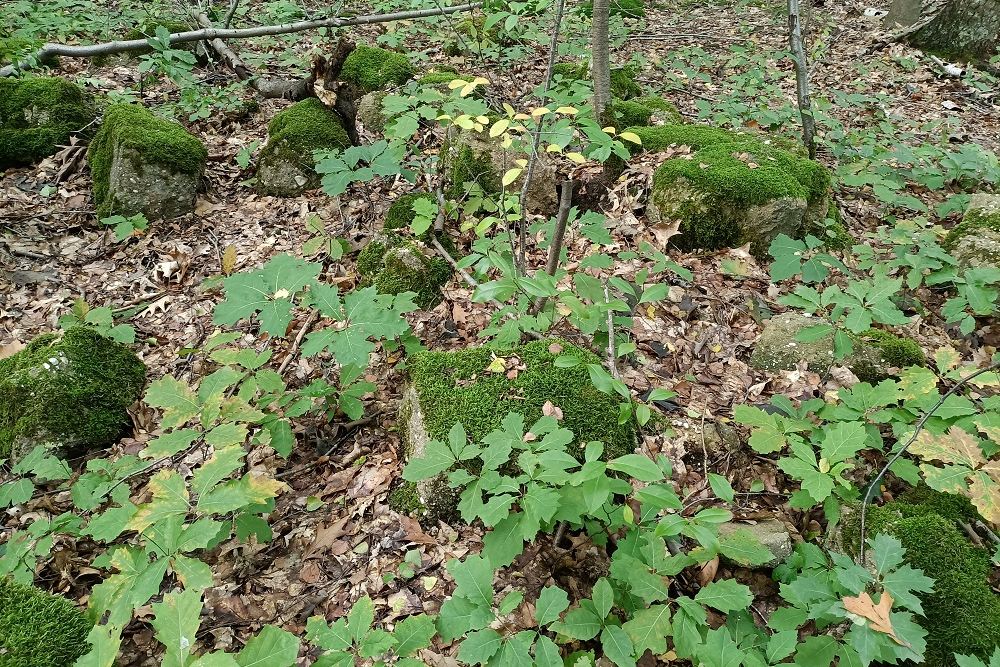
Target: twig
[
  {"x": 536, "y": 139},
  {"x": 688, "y": 35},
  {"x": 313, "y": 316},
  {"x": 612, "y": 366},
  {"x": 801, "y": 78},
  {"x": 916, "y": 431},
  {"x": 47, "y": 51},
  {"x": 973, "y": 535},
  {"x": 555, "y": 245},
  {"x": 228, "y": 21},
  {"x": 989, "y": 532}
]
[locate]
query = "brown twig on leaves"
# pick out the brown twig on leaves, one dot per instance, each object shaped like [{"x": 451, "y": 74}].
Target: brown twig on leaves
[
  {"x": 50, "y": 50},
  {"x": 313, "y": 316},
  {"x": 555, "y": 245}
]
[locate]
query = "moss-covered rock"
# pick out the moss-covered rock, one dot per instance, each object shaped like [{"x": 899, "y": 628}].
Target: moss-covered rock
[
  {"x": 286, "y": 167},
  {"x": 962, "y": 613},
  {"x": 67, "y": 391},
  {"x": 371, "y": 68},
  {"x": 141, "y": 163},
  {"x": 623, "y": 85},
  {"x": 37, "y": 116},
  {"x": 876, "y": 352},
  {"x": 729, "y": 194},
  {"x": 629, "y": 9},
  {"x": 450, "y": 387},
  {"x": 646, "y": 111},
  {"x": 401, "y": 213},
  {"x": 975, "y": 241},
  {"x": 394, "y": 264},
  {"x": 38, "y": 629},
  {"x": 661, "y": 137}
]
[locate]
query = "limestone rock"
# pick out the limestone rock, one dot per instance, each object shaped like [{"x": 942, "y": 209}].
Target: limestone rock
[
  {"x": 67, "y": 392},
  {"x": 975, "y": 242},
  {"x": 772, "y": 534},
  {"x": 37, "y": 116},
  {"x": 954, "y": 29},
  {"x": 144, "y": 164},
  {"x": 370, "y": 111}
]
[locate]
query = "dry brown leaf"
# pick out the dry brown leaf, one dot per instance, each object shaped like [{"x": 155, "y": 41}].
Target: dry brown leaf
[
  {"x": 228, "y": 260},
  {"x": 877, "y": 615},
  {"x": 11, "y": 349}
]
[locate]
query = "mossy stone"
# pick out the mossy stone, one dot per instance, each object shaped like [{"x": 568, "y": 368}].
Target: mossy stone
[
  {"x": 69, "y": 391},
  {"x": 371, "y": 68},
  {"x": 286, "y": 167},
  {"x": 629, "y": 9},
  {"x": 39, "y": 629},
  {"x": 394, "y": 264},
  {"x": 645, "y": 111},
  {"x": 623, "y": 85},
  {"x": 446, "y": 388},
  {"x": 893, "y": 350},
  {"x": 661, "y": 137},
  {"x": 37, "y": 115},
  {"x": 401, "y": 213},
  {"x": 962, "y": 613},
  {"x": 141, "y": 163},
  {"x": 975, "y": 242}
]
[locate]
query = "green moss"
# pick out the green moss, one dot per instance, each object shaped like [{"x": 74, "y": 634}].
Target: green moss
[
  {"x": 401, "y": 214},
  {"x": 643, "y": 111},
  {"x": 395, "y": 265},
  {"x": 372, "y": 68},
  {"x": 15, "y": 48},
  {"x": 467, "y": 164},
  {"x": 457, "y": 387},
  {"x": 295, "y": 133},
  {"x": 629, "y": 9},
  {"x": 623, "y": 85},
  {"x": 661, "y": 137},
  {"x": 405, "y": 499},
  {"x": 895, "y": 350},
  {"x": 152, "y": 139},
  {"x": 962, "y": 614},
  {"x": 570, "y": 71},
  {"x": 974, "y": 221},
  {"x": 37, "y": 115},
  {"x": 38, "y": 629},
  {"x": 441, "y": 78},
  {"x": 77, "y": 401},
  {"x": 833, "y": 231}
]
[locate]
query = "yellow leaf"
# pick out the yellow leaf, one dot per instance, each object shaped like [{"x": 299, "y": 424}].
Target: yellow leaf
[
  {"x": 576, "y": 157},
  {"x": 540, "y": 111},
  {"x": 443, "y": 116},
  {"x": 985, "y": 495},
  {"x": 630, "y": 136},
  {"x": 946, "y": 358},
  {"x": 521, "y": 163},
  {"x": 507, "y": 142},
  {"x": 508, "y": 108},
  {"x": 877, "y": 615},
  {"x": 610, "y": 130},
  {"x": 467, "y": 90},
  {"x": 510, "y": 176},
  {"x": 228, "y": 259},
  {"x": 262, "y": 488},
  {"x": 457, "y": 83},
  {"x": 480, "y": 81},
  {"x": 553, "y": 148},
  {"x": 522, "y": 116},
  {"x": 569, "y": 111},
  {"x": 499, "y": 127},
  {"x": 498, "y": 365},
  {"x": 957, "y": 446},
  {"x": 916, "y": 382},
  {"x": 482, "y": 119},
  {"x": 464, "y": 122}
]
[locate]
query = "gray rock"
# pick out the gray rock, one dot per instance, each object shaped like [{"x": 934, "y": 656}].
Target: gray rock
[
  {"x": 778, "y": 349},
  {"x": 138, "y": 186},
  {"x": 281, "y": 177},
  {"x": 954, "y": 29},
  {"x": 976, "y": 241},
  {"x": 370, "y": 112},
  {"x": 772, "y": 534}
]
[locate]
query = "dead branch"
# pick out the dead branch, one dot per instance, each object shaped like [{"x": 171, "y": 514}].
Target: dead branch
[
  {"x": 555, "y": 246},
  {"x": 51, "y": 50}
]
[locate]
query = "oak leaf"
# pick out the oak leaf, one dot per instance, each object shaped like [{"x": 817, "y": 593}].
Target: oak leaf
[{"x": 877, "y": 615}]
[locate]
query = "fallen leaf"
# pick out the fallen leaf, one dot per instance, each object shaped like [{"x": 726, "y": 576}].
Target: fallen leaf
[{"x": 876, "y": 614}]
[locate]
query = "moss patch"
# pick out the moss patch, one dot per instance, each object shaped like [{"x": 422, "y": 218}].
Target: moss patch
[
  {"x": 470, "y": 162},
  {"x": 38, "y": 629},
  {"x": 153, "y": 140},
  {"x": 293, "y": 135},
  {"x": 37, "y": 115},
  {"x": 623, "y": 85},
  {"x": 70, "y": 390},
  {"x": 962, "y": 614},
  {"x": 457, "y": 387},
  {"x": 894, "y": 350},
  {"x": 976, "y": 240},
  {"x": 629, "y": 9},
  {"x": 441, "y": 78},
  {"x": 395, "y": 265},
  {"x": 662, "y": 137},
  {"x": 372, "y": 68},
  {"x": 645, "y": 111},
  {"x": 401, "y": 214}
]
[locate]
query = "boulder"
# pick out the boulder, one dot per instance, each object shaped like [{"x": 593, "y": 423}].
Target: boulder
[
  {"x": 371, "y": 68},
  {"x": 144, "y": 164},
  {"x": 475, "y": 157},
  {"x": 38, "y": 629},
  {"x": 772, "y": 534},
  {"x": 286, "y": 167},
  {"x": 370, "y": 111},
  {"x": 729, "y": 194},
  {"x": 965, "y": 30},
  {"x": 645, "y": 111},
  {"x": 394, "y": 264},
  {"x": 68, "y": 392},
  {"x": 975, "y": 242},
  {"x": 465, "y": 386},
  {"x": 875, "y": 353},
  {"x": 39, "y": 115}
]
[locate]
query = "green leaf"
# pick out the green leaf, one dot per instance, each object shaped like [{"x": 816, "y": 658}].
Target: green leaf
[
  {"x": 459, "y": 615},
  {"x": 178, "y": 401},
  {"x": 479, "y": 647},
  {"x": 435, "y": 459},
  {"x": 721, "y": 487},
  {"x": 725, "y": 595},
  {"x": 640, "y": 467},
  {"x": 552, "y": 602},
  {"x": 221, "y": 465},
  {"x": 603, "y": 597},
  {"x": 272, "y": 647},
  {"x": 474, "y": 580},
  {"x": 413, "y": 633},
  {"x": 360, "y": 619},
  {"x": 193, "y": 573},
  {"x": 743, "y": 547},
  {"x": 780, "y": 645},
  {"x": 617, "y": 646},
  {"x": 843, "y": 440},
  {"x": 649, "y": 628},
  {"x": 887, "y": 553},
  {"x": 176, "y": 622},
  {"x": 333, "y": 637},
  {"x": 578, "y": 624}
]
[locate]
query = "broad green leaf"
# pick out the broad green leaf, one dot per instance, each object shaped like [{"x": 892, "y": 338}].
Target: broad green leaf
[
  {"x": 413, "y": 633},
  {"x": 726, "y": 595},
  {"x": 176, "y": 622},
  {"x": 842, "y": 441},
  {"x": 649, "y": 628},
  {"x": 578, "y": 624},
  {"x": 635, "y": 465},
  {"x": 552, "y": 602},
  {"x": 178, "y": 401},
  {"x": 474, "y": 579},
  {"x": 617, "y": 646},
  {"x": 478, "y": 647}
]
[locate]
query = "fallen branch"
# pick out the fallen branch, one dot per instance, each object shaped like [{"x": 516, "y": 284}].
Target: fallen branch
[{"x": 51, "y": 50}]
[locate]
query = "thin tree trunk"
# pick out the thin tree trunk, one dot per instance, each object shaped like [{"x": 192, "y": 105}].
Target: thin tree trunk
[
  {"x": 601, "y": 59},
  {"x": 801, "y": 77}
]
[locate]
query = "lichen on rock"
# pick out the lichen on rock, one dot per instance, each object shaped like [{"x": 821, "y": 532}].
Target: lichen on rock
[
  {"x": 372, "y": 68},
  {"x": 144, "y": 164},
  {"x": 67, "y": 391},
  {"x": 975, "y": 242},
  {"x": 37, "y": 115},
  {"x": 394, "y": 264},
  {"x": 286, "y": 167},
  {"x": 39, "y": 629}
]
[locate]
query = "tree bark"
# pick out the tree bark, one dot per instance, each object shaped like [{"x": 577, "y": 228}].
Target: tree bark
[
  {"x": 801, "y": 78},
  {"x": 601, "y": 59}
]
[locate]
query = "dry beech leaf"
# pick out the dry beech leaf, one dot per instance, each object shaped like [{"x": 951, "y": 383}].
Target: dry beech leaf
[
  {"x": 877, "y": 615},
  {"x": 551, "y": 410},
  {"x": 11, "y": 349},
  {"x": 228, "y": 259}
]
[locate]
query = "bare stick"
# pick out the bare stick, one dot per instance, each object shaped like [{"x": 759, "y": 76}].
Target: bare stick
[
  {"x": 916, "y": 431},
  {"x": 228, "y": 21},
  {"x": 536, "y": 138},
  {"x": 801, "y": 78},
  {"x": 989, "y": 533},
  {"x": 612, "y": 365},
  {"x": 555, "y": 245},
  {"x": 123, "y": 46},
  {"x": 298, "y": 341}
]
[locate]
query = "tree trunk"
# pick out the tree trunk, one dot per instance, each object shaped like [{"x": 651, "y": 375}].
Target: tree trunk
[{"x": 601, "y": 59}]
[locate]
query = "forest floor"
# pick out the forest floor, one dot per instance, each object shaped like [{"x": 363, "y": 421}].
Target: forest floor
[{"x": 52, "y": 252}]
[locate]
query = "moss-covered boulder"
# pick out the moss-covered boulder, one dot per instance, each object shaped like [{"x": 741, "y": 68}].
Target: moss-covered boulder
[
  {"x": 629, "y": 9},
  {"x": 395, "y": 264},
  {"x": 68, "y": 392},
  {"x": 876, "y": 352},
  {"x": 38, "y": 629},
  {"x": 623, "y": 85},
  {"x": 646, "y": 111},
  {"x": 962, "y": 30},
  {"x": 286, "y": 167},
  {"x": 729, "y": 194},
  {"x": 471, "y": 157},
  {"x": 37, "y": 116},
  {"x": 141, "y": 163},
  {"x": 401, "y": 213},
  {"x": 371, "y": 68},
  {"x": 975, "y": 241},
  {"x": 962, "y": 613},
  {"x": 466, "y": 386}
]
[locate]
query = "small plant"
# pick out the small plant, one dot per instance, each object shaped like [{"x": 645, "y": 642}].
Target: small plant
[{"x": 125, "y": 228}]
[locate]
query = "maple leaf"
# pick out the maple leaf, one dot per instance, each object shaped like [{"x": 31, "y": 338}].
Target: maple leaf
[
  {"x": 955, "y": 447},
  {"x": 877, "y": 615}
]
